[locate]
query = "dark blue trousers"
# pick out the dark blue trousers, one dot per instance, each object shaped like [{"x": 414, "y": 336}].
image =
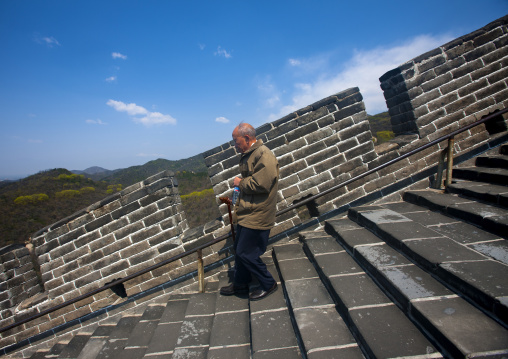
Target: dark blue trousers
[{"x": 249, "y": 245}]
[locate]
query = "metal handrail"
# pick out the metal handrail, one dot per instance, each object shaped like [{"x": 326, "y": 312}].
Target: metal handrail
[{"x": 285, "y": 210}]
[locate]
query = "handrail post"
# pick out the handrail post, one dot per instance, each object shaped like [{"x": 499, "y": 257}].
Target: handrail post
[
  {"x": 449, "y": 163},
  {"x": 440, "y": 169},
  {"x": 201, "y": 272}
]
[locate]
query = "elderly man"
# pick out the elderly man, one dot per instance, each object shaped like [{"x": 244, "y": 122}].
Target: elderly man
[{"x": 254, "y": 213}]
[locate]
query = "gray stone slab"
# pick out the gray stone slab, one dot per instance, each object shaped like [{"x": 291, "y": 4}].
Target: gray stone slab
[
  {"x": 487, "y": 276},
  {"x": 358, "y": 237},
  {"x": 307, "y": 293},
  {"x": 434, "y": 251},
  {"x": 396, "y": 232},
  {"x": 384, "y": 216},
  {"x": 358, "y": 290},
  {"x": 497, "y": 224},
  {"x": 240, "y": 352},
  {"x": 231, "y": 303},
  {"x": 174, "y": 311},
  {"x": 164, "y": 338},
  {"x": 380, "y": 256},
  {"x": 74, "y": 347},
  {"x": 464, "y": 233},
  {"x": 497, "y": 250},
  {"x": 131, "y": 353},
  {"x": 92, "y": 348},
  {"x": 271, "y": 330},
  {"x": 322, "y": 327},
  {"x": 111, "y": 347},
  {"x": 343, "y": 224},
  {"x": 430, "y": 218},
  {"x": 283, "y": 353},
  {"x": 274, "y": 301},
  {"x": 323, "y": 245},
  {"x": 411, "y": 282},
  {"x": 393, "y": 335},
  {"x": 195, "y": 331},
  {"x": 460, "y": 327},
  {"x": 337, "y": 353},
  {"x": 124, "y": 327},
  {"x": 475, "y": 211},
  {"x": 404, "y": 207},
  {"x": 297, "y": 269},
  {"x": 337, "y": 263},
  {"x": 190, "y": 353},
  {"x": 289, "y": 251},
  {"x": 153, "y": 312},
  {"x": 273, "y": 271},
  {"x": 201, "y": 304},
  {"x": 230, "y": 329},
  {"x": 142, "y": 333}
]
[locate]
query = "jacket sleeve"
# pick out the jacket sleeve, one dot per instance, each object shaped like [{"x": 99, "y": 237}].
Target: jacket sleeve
[{"x": 264, "y": 173}]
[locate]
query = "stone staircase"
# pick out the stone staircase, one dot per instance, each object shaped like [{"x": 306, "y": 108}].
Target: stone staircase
[{"x": 426, "y": 277}]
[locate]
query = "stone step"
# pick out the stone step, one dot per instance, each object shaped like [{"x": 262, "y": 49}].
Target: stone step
[
  {"x": 485, "y": 192},
  {"x": 321, "y": 328},
  {"x": 381, "y": 328},
  {"x": 230, "y": 336},
  {"x": 482, "y": 174},
  {"x": 272, "y": 331},
  {"x": 454, "y": 325},
  {"x": 456, "y": 262},
  {"x": 490, "y": 218},
  {"x": 194, "y": 338},
  {"x": 495, "y": 161},
  {"x": 165, "y": 336}
]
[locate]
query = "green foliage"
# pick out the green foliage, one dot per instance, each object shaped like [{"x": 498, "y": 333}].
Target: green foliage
[
  {"x": 198, "y": 195},
  {"x": 68, "y": 193},
  {"x": 86, "y": 190},
  {"x": 384, "y": 136},
  {"x": 31, "y": 199},
  {"x": 70, "y": 177}
]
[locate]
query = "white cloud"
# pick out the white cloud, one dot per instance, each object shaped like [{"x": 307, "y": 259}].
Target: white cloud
[
  {"x": 201, "y": 46},
  {"x": 222, "y": 120},
  {"x": 95, "y": 122},
  {"x": 149, "y": 118},
  {"x": 50, "y": 41},
  {"x": 269, "y": 93},
  {"x": 362, "y": 70},
  {"x": 222, "y": 52},
  {"x": 111, "y": 79},
  {"x": 117, "y": 55}
]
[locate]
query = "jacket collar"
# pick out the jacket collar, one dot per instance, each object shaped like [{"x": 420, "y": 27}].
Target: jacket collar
[{"x": 255, "y": 145}]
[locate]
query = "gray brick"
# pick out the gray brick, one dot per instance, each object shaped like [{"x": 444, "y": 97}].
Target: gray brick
[
  {"x": 76, "y": 254},
  {"x": 71, "y": 236},
  {"x": 323, "y": 155},
  {"x": 312, "y": 116},
  {"x": 102, "y": 221},
  {"x": 86, "y": 238},
  {"x": 80, "y": 221},
  {"x": 460, "y": 104},
  {"x": 309, "y": 150},
  {"x": 127, "y": 230},
  {"x": 431, "y": 63},
  {"x": 354, "y": 130},
  {"x": 142, "y": 213},
  {"x": 143, "y": 257},
  {"x": 115, "y": 268},
  {"x": 302, "y": 131},
  {"x": 159, "y": 216},
  {"x": 106, "y": 261},
  {"x": 442, "y": 101},
  {"x": 87, "y": 279},
  {"x": 134, "y": 249},
  {"x": 467, "y": 68},
  {"x": 144, "y": 234},
  {"x": 61, "y": 251},
  {"x": 292, "y": 168},
  {"x": 349, "y": 111}
]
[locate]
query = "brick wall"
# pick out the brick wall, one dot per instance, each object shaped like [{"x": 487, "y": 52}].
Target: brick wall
[
  {"x": 18, "y": 278},
  {"x": 317, "y": 147},
  {"x": 451, "y": 86}
]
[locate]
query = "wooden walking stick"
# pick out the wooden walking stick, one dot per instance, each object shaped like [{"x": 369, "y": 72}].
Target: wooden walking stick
[{"x": 227, "y": 200}]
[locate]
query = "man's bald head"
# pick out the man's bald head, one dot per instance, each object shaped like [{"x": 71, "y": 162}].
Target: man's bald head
[{"x": 244, "y": 135}]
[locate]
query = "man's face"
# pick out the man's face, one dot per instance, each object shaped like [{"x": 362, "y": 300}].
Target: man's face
[{"x": 241, "y": 142}]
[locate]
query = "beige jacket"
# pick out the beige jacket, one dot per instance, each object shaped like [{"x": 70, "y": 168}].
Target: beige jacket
[{"x": 256, "y": 206}]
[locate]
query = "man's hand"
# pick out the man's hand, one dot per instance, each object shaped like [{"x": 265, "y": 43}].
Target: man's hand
[{"x": 236, "y": 181}]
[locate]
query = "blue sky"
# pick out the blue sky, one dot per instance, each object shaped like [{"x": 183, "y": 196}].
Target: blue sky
[{"x": 119, "y": 83}]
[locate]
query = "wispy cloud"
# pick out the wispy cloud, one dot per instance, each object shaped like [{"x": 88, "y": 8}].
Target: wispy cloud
[
  {"x": 363, "y": 70},
  {"x": 270, "y": 95},
  {"x": 49, "y": 41},
  {"x": 222, "y": 52},
  {"x": 28, "y": 140},
  {"x": 111, "y": 79},
  {"x": 96, "y": 122},
  {"x": 222, "y": 120},
  {"x": 117, "y": 55},
  {"x": 147, "y": 118},
  {"x": 201, "y": 46}
]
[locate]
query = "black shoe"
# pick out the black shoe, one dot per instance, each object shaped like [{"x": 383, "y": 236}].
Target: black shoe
[
  {"x": 234, "y": 289},
  {"x": 261, "y": 293}
]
